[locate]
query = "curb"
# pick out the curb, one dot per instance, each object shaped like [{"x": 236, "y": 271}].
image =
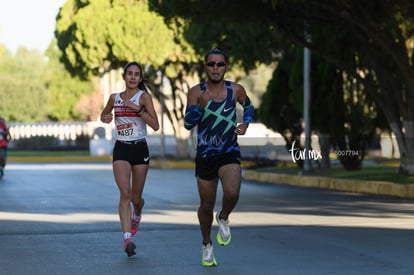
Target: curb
[{"x": 352, "y": 186}]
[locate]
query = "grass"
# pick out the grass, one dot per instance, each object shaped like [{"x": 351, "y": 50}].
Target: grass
[
  {"x": 57, "y": 153},
  {"x": 375, "y": 172}
]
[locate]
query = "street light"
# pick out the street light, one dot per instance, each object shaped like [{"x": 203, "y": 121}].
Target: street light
[{"x": 306, "y": 101}]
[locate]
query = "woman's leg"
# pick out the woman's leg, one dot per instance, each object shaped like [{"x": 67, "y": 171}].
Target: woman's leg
[
  {"x": 122, "y": 174},
  {"x": 139, "y": 175}
]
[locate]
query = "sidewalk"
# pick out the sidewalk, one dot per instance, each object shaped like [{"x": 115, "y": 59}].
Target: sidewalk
[{"x": 381, "y": 188}]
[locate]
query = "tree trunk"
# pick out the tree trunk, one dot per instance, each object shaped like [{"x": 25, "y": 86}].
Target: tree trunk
[
  {"x": 405, "y": 143},
  {"x": 324, "y": 143}
]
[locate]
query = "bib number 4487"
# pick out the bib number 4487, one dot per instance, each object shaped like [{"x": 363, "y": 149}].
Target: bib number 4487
[{"x": 126, "y": 132}]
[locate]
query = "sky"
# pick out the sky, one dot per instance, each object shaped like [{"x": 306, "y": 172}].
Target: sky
[{"x": 28, "y": 23}]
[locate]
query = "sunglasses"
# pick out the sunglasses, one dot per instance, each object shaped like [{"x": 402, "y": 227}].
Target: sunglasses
[{"x": 219, "y": 64}]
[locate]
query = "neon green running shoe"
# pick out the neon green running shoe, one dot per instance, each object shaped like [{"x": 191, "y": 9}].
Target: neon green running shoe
[
  {"x": 223, "y": 235},
  {"x": 208, "y": 255}
]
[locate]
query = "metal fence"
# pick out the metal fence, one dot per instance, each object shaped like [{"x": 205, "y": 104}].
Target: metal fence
[
  {"x": 258, "y": 142},
  {"x": 64, "y": 132}
]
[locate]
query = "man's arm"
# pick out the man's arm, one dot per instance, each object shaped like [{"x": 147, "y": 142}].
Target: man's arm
[
  {"x": 248, "y": 108},
  {"x": 193, "y": 111}
]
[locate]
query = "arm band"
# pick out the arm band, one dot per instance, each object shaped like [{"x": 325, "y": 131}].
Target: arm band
[
  {"x": 192, "y": 116},
  {"x": 248, "y": 110}
]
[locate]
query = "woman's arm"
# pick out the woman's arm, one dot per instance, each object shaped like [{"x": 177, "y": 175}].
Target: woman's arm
[
  {"x": 147, "y": 111},
  {"x": 106, "y": 115}
]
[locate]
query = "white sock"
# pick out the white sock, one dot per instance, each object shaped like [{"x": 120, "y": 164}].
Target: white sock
[
  {"x": 136, "y": 217},
  {"x": 127, "y": 235}
]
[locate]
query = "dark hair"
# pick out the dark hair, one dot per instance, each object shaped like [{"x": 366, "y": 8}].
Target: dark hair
[
  {"x": 129, "y": 64},
  {"x": 216, "y": 50},
  {"x": 144, "y": 84}
]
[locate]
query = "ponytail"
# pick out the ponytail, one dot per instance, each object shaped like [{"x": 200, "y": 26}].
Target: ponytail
[{"x": 146, "y": 85}]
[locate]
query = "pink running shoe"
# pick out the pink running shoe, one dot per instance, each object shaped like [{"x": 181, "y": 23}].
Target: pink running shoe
[
  {"x": 135, "y": 225},
  {"x": 129, "y": 247}
]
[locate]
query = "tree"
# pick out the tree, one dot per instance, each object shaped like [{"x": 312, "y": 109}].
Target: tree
[
  {"x": 23, "y": 94},
  {"x": 92, "y": 46},
  {"x": 35, "y": 88},
  {"x": 380, "y": 60},
  {"x": 66, "y": 92},
  {"x": 243, "y": 33},
  {"x": 281, "y": 108},
  {"x": 379, "y": 41}
]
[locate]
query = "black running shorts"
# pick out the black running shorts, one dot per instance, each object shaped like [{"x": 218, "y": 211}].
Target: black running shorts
[
  {"x": 135, "y": 152},
  {"x": 207, "y": 168}
]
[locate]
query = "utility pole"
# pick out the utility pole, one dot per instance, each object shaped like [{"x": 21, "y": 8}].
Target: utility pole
[{"x": 306, "y": 100}]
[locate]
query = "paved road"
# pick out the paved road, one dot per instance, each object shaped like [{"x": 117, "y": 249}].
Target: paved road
[{"x": 62, "y": 219}]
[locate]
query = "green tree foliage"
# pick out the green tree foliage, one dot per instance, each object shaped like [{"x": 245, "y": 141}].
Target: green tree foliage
[
  {"x": 66, "y": 91},
  {"x": 98, "y": 36},
  {"x": 281, "y": 108},
  {"x": 35, "y": 88},
  {"x": 339, "y": 106},
  {"x": 23, "y": 94},
  {"x": 357, "y": 124},
  {"x": 377, "y": 50},
  {"x": 235, "y": 26}
]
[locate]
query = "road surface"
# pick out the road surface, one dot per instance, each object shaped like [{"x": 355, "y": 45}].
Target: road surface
[{"x": 62, "y": 219}]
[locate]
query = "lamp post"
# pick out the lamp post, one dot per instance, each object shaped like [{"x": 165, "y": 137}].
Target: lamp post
[{"x": 306, "y": 101}]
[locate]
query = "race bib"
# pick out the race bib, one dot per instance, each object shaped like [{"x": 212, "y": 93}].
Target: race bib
[{"x": 127, "y": 131}]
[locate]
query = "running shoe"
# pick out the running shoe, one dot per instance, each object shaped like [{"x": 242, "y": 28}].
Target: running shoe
[
  {"x": 223, "y": 235},
  {"x": 129, "y": 247},
  {"x": 135, "y": 225},
  {"x": 208, "y": 255}
]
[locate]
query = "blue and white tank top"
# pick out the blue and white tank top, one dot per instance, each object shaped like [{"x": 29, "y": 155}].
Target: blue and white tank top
[
  {"x": 215, "y": 131},
  {"x": 129, "y": 125}
]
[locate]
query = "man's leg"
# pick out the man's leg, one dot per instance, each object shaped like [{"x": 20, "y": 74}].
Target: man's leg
[
  {"x": 230, "y": 175},
  {"x": 207, "y": 190}
]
